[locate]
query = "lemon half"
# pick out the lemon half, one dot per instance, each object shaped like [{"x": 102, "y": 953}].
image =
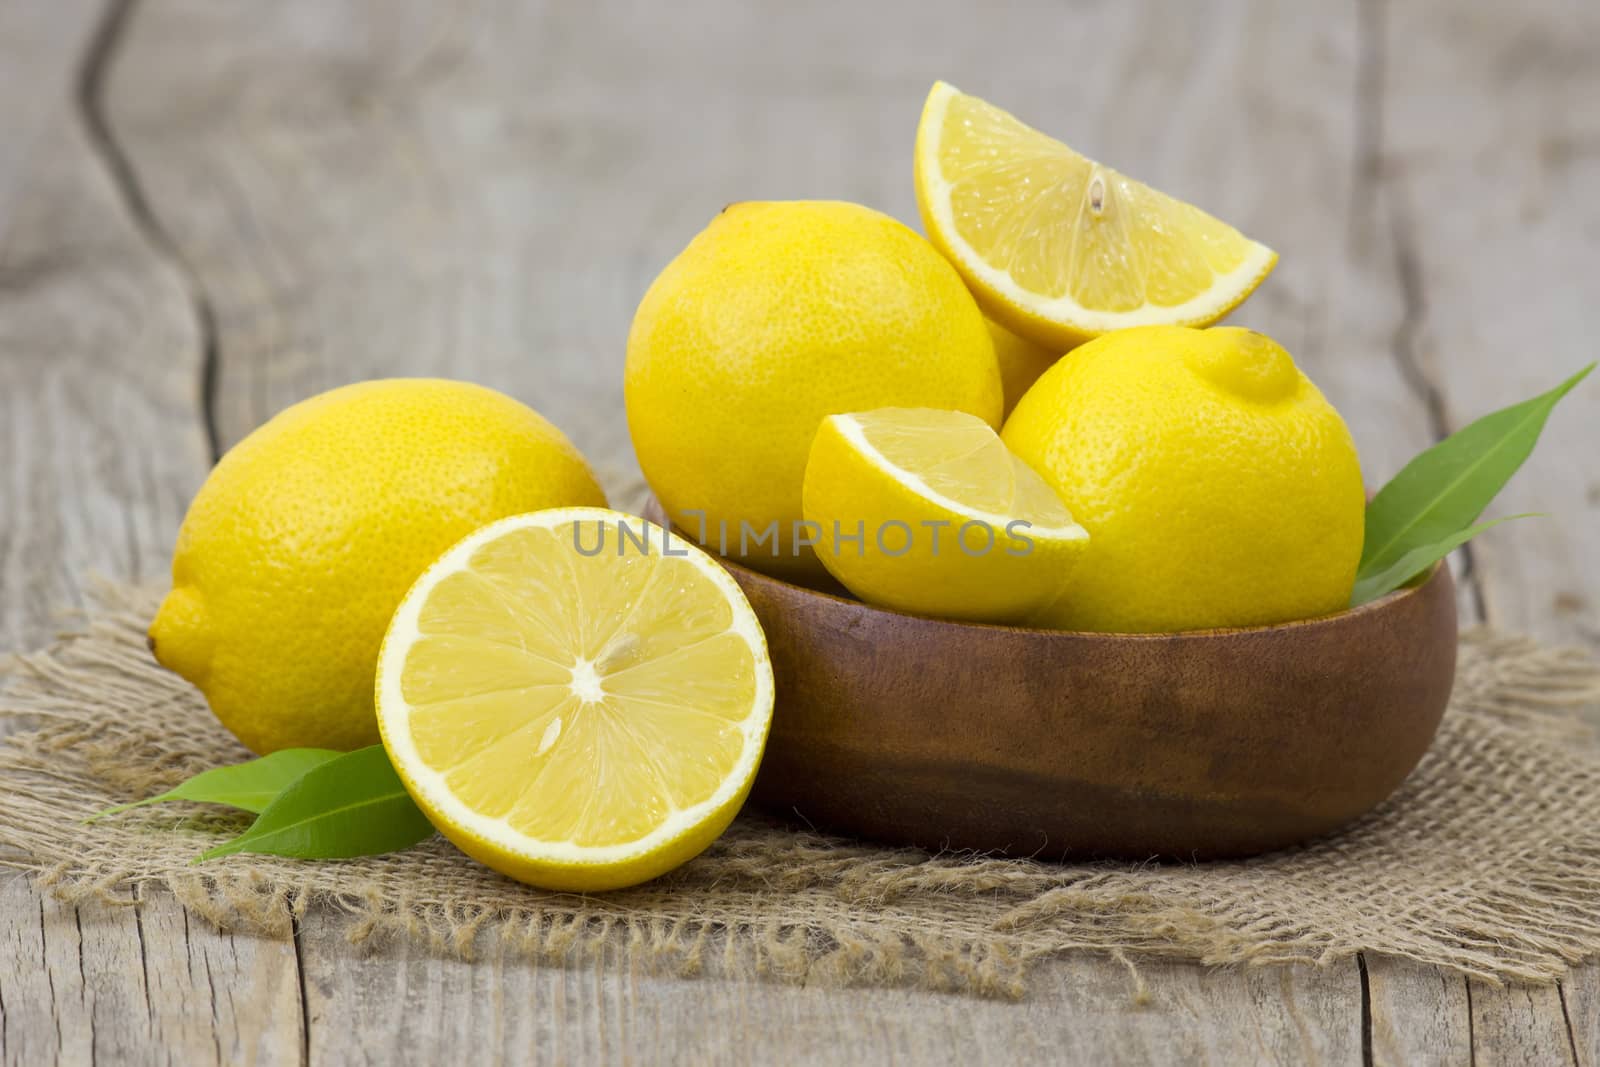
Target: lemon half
[
  {"x": 1059, "y": 248},
  {"x": 927, "y": 511},
  {"x": 576, "y": 721}
]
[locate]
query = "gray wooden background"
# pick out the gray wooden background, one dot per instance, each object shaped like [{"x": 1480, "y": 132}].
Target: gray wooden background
[{"x": 211, "y": 209}]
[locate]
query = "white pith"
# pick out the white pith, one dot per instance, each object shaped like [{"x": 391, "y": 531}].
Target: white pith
[
  {"x": 1205, "y": 308},
  {"x": 435, "y": 793}
]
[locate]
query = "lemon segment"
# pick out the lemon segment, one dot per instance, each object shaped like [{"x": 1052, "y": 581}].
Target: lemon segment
[
  {"x": 927, "y": 511},
  {"x": 574, "y": 700},
  {"x": 1060, "y": 248}
]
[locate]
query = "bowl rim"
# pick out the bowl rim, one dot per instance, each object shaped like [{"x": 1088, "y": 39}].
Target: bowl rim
[{"x": 1389, "y": 600}]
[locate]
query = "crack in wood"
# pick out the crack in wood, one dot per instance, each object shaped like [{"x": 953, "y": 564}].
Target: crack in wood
[
  {"x": 144, "y": 961},
  {"x": 216, "y": 1022},
  {"x": 295, "y": 938},
  {"x": 90, "y": 101},
  {"x": 1566, "y": 1017},
  {"x": 77, "y": 924},
  {"x": 4, "y": 1029},
  {"x": 1373, "y": 190},
  {"x": 50, "y": 979},
  {"x": 1472, "y": 1037},
  {"x": 1366, "y": 1010}
]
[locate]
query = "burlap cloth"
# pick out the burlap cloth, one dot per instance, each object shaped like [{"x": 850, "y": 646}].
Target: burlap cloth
[{"x": 1486, "y": 862}]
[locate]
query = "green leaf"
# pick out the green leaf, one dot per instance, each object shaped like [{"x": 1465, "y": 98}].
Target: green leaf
[
  {"x": 249, "y": 786},
  {"x": 1415, "y": 562},
  {"x": 1445, "y": 488},
  {"x": 354, "y": 805}
]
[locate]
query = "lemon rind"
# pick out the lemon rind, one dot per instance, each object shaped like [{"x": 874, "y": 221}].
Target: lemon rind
[
  {"x": 429, "y": 786},
  {"x": 1227, "y": 291},
  {"x": 850, "y": 429}
]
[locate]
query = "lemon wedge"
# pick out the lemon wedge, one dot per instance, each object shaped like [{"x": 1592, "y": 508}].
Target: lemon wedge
[
  {"x": 1059, "y": 248},
  {"x": 574, "y": 700},
  {"x": 928, "y": 512}
]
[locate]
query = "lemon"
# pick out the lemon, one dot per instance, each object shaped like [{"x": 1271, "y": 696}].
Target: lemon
[
  {"x": 1060, "y": 248},
  {"x": 576, "y": 704},
  {"x": 1021, "y": 362},
  {"x": 301, "y": 542},
  {"x": 775, "y": 316},
  {"x": 1218, "y": 487},
  {"x": 926, "y": 511}
]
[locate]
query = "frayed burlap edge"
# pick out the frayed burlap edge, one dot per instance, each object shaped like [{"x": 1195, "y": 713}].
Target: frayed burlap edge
[{"x": 1486, "y": 862}]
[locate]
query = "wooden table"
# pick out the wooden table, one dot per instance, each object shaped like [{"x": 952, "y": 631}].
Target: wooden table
[{"x": 211, "y": 209}]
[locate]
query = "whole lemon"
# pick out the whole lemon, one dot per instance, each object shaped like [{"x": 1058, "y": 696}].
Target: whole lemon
[
  {"x": 1219, "y": 488},
  {"x": 777, "y": 315},
  {"x": 305, "y": 537}
]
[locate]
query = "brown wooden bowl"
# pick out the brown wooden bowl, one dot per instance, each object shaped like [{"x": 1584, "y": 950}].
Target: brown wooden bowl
[{"x": 1046, "y": 743}]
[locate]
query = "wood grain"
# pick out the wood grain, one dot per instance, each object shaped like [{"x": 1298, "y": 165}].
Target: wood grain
[
  {"x": 1580, "y": 996},
  {"x": 1486, "y": 173},
  {"x": 1419, "y": 1015},
  {"x": 1249, "y": 749},
  {"x": 101, "y": 444},
  {"x": 1085, "y": 1010},
  {"x": 1490, "y": 170},
  {"x": 1519, "y": 1025}
]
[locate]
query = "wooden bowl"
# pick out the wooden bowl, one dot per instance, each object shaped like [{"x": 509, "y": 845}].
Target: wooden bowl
[{"x": 1047, "y": 743}]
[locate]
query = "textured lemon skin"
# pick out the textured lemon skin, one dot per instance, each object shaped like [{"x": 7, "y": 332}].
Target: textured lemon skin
[
  {"x": 563, "y": 877},
  {"x": 775, "y": 316},
  {"x": 1219, "y": 488},
  {"x": 977, "y": 586},
  {"x": 1021, "y": 361},
  {"x": 306, "y": 535}
]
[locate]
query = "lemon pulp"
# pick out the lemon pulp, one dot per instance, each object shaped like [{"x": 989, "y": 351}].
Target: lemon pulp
[
  {"x": 950, "y": 523},
  {"x": 578, "y": 721},
  {"x": 1060, "y": 248},
  {"x": 957, "y": 462}
]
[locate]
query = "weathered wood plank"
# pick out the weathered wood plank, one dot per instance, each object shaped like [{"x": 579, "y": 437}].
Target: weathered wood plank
[
  {"x": 1493, "y": 162},
  {"x": 113, "y": 985},
  {"x": 101, "y": 444},
  {"x": 1420, "y": 1015},
  {"x": 216, "y": 998},
  {"x": 1085, "y": 1011},
  {"x": 1519, "y": 1025},
  {"x": 1489, "y": 173},
  {"x": 1580, "y": 993}
]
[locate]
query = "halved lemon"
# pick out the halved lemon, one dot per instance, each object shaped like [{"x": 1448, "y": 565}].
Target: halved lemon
[
  {"x": 928, "y": 512},
  {"x": 1059, "y": 248},
  {"x": 575, "y": 700}
]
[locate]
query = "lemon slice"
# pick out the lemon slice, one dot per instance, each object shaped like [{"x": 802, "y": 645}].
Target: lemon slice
[
  {"x": 1060, "y": 248},
  {"x": 928, "y": 512},
  {"x": 575, "y": 701}
]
